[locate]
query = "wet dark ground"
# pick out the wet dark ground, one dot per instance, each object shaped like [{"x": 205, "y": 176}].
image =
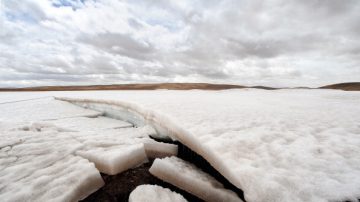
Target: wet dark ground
[{"x": 117, "y": 188}]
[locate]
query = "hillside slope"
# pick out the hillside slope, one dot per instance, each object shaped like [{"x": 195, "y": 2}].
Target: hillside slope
[{"x": 351, "y": 86}]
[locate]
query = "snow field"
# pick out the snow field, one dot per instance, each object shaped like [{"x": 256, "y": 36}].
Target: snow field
[
  {"x": 188, "y": 177},
  {"x": 154, "y": 193}
]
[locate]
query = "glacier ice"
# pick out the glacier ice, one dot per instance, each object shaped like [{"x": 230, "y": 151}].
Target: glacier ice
[
  {"x": 154, "y": 193},
  {"x": 188, "y": 177},
  {"x": 274, "y": 145},
  {"x": 284, "y": 145}
]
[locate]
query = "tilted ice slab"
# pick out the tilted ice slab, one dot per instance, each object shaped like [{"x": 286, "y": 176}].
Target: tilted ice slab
[
  {"x": 188, "y": 177},
  {"x": 285, "y": 145},
  {"x": 154, "y": 193},
  {"x": 42, "y": 109},
  {"x": 40, "y": 166}
]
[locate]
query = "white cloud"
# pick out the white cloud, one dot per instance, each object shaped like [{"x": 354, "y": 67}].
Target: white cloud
[{"x": 276, "y": 43}]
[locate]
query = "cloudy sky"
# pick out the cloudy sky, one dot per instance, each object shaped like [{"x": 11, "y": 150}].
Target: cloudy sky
[{"x": 254, "y": 42}]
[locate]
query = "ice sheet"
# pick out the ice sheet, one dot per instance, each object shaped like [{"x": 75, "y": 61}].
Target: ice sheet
[
  {"x": 154, "y": 193},
  {"x": 42, "y": 109},
  {"x": 90, "y": 124},
  {"x": 188, "y": 177},
  {"x": 284, "y": 145},
  {"x": 274, "y": 145}
]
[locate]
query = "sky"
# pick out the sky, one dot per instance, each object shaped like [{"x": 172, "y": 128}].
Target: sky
[{"x": 279, "y": 43}]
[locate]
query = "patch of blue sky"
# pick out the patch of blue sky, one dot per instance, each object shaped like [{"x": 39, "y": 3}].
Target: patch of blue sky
[
  {"x": 74, "y": 4},
  {"x": 169, "y": 25},
  {"x": 21, "y": 16}
]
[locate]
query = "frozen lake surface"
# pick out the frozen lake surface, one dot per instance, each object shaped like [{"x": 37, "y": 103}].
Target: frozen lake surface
[{"x": 284, "y": 145}]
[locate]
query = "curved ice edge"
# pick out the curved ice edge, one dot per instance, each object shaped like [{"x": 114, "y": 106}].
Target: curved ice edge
[{"x": 166, "y": 127}]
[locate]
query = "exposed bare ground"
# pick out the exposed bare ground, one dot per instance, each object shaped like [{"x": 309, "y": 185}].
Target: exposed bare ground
[
  {"x": 353, "y": 86},
  {"x": 170, "y": 86}
]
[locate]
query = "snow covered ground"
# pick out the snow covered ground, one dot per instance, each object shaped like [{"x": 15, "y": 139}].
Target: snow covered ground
[{"x": 284, "y": 145}]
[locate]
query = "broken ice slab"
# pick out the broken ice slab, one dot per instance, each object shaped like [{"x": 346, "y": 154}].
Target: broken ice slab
[
  {"x": 115, "y": 159},
  {"x": 154, "y": 193},
  {"x": 126, "y": 136},
  {"x": 188, "y": 177},
  {"x": 121, "y": 111},
  {"x": 90, "y": 124},
  {"x": 43, "y": 166},
  {"x": 69, "y": 179},
  {"x": 156, "y": 149}
]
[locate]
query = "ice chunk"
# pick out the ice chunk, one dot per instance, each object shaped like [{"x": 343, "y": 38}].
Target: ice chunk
[
  {"x": 188, "y": 177},
  {"x": 40, "y": 166},
  {"x": 69, "y": 179},
  {"x": 154, "y": 193},
  {"x": 115, "y": 159},
  {"x": 156, "y": 149},
  {"x": 127, "y": 136},
  {"x": 90, "y": 124}
]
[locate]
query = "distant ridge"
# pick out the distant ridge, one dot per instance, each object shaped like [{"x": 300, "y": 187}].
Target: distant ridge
[
  {"x": 351, "y": 86},
  {"x": 155, "y": 86}
]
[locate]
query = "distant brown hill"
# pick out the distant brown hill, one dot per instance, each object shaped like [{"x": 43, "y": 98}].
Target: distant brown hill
[
  {"x": 354, "y": 86},
  {"x": 351, "y": 86},
  {"x": 169, "y": 86}
]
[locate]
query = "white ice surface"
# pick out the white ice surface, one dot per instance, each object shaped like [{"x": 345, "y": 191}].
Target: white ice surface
[
  {"x": 89, "y": 124},
  {"x": 41, "y": 109},
  {"x": 188, "y": 177},
  {"x": 285, "y": 145},
  {"x": 154, "y": 193}
]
